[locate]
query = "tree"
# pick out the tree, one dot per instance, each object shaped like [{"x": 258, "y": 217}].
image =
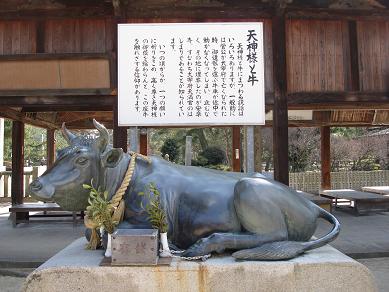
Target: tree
[{"x": 303, "y": 148}]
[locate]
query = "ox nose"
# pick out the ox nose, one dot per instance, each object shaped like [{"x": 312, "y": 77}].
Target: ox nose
[{"x": 36, "y": 186}]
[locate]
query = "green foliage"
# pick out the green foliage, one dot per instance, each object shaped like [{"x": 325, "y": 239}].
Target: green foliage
[
  {"x": 200, "y": 161},
  {"x": 156, "y": 213},
  {"x": 170, "y": 147},
  {"x": 348, "y": 132},
  {"x": 219, "y": 167},
  {"x": 34, "y": 144},
  {"x": 214, "y": 155},
  {"x": 100, "y": 208}
]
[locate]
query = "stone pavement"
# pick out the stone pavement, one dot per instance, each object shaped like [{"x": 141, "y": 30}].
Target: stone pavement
[{"x": 28, "y": 245}]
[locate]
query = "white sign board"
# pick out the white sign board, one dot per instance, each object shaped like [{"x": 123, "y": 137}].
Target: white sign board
[{"x": 191, "y": 74}]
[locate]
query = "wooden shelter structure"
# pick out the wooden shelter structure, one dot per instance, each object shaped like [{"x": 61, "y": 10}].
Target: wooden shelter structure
[{"x": 58, "y": 63}]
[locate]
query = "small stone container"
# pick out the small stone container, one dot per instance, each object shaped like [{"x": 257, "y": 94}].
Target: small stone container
[{"x": 135, "y": 247}]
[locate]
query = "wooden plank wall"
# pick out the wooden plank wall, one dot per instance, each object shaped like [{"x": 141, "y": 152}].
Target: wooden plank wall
[
  {"x": 60, "y": 36},
  {"x": 317, "y": 50},
  {"x": 317, "y": 54},
  {"x": 17, "y": 37},
  {"x": 373, "y": 47},
  {"x": 78, "y": 36}
]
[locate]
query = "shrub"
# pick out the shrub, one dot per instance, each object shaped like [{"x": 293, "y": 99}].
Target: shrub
[
  {"x": 214, "y": 155},
  {"x": 170, "y": 147}
]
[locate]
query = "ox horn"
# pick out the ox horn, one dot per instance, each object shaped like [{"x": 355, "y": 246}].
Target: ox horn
[
  {"x": 103, "y": 140},
  {"x": 69, "y": 136}
]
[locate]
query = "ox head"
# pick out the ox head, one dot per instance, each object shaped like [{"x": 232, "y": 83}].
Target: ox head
[{"x": 85, "y": 158}]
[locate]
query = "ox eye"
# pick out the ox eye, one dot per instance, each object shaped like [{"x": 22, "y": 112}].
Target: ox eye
[{"x": 81, "y": 160}]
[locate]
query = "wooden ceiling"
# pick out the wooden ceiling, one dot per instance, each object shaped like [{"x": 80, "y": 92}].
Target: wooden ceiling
[{"x": 83, "y": 119}]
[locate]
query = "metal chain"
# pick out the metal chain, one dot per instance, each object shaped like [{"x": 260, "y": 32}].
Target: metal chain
[{"x": 202, "y": 257}]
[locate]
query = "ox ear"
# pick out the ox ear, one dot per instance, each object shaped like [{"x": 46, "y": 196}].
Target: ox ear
[{"x": 112, "y": 157}]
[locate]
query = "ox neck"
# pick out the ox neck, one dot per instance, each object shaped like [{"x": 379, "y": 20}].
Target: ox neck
[{"x": 113, "y": 177}]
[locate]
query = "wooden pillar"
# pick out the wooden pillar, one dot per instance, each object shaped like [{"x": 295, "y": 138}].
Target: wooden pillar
[
  {"x": 50, "y": 140},
  {"x": 119, "y": 133},
  {"x": 17, "y": 163},
  {"x": 325, "y": 157},
  {"x": 354, "y": 60},
  {"x": 236, "y": 148},
  {"x": 143, "y": 141},
  {"x": 280, "y": 108}
]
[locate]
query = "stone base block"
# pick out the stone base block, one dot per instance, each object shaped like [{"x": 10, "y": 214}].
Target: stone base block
[{"x": 324, "y": 269}]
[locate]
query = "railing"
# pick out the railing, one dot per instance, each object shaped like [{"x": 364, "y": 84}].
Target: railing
[
  {"x": 30, "y": 173},
  {"x": 310, "y": 181},
  {"x": 304, "y": 181}
]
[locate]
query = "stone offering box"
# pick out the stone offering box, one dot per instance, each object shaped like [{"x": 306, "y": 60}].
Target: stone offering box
[
  {"x": 135, "y": 247},
  {"x": 321, "y": 270}
]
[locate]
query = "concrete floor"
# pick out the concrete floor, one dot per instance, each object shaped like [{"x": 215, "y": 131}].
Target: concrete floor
[{"x": 28, "y": 245}]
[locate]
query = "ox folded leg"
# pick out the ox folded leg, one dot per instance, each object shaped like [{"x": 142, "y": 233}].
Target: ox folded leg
[{"x": 220, "y": 242}]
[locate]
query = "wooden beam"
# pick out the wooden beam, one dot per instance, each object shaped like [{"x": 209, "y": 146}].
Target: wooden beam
[
  {"x": 17, "y": 164},
  {"x": 337, "y": 14},
  {"x": 41, "y": 55},
  {"x": 325, "y": 157},
  {"x": 280, "y": 107},
  {"x": 200, "y": 14},
  {"x": 93, "y": 101},
  {"x": 50, "y": 140},
  {"x": 354, "y": 60},
  {"x": 236, "y": 149},
  {"x": 37, "y": 10},
  {"x": 338, "y": 100},
  {"x": 57, "y": 92},
  {"x": 73, "y": 108},
  {"x": 9, "y": 113}
]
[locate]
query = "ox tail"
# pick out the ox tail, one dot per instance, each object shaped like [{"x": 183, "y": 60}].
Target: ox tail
[{"x": 284, "y": 250}]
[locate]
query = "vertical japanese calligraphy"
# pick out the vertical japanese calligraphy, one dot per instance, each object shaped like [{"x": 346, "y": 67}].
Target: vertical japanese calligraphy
[{"x": 191, "y": 74}]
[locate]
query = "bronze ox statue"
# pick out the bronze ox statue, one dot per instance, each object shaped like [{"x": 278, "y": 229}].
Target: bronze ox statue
[{"x": 207, "y": 210}]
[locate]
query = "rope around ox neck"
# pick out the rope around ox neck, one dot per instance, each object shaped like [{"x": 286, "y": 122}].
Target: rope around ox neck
[{"x": 117, "y": 201}]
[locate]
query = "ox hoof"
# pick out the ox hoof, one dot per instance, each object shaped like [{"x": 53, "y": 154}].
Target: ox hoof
[{"x": 201, "y": 247}]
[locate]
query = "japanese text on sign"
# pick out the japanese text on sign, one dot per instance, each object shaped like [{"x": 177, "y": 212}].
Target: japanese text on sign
[{"x": 191, "y": 74}]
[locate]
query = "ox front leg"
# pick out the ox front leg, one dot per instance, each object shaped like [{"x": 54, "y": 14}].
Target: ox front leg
[{"x": 219, "y": 242}]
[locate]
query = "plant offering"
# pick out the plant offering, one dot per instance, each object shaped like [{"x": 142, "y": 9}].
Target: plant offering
[
  {"x": 156, "y": 215},
  {"x": 101, "y": 212}
]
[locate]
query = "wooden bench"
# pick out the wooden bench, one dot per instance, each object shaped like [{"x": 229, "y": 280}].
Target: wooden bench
[
  {"x": 362, "y": 202},
  {"x": 382, "y": 190},
  {"x": 21, "y": 213},
  {"x": 318, "y": 200}
]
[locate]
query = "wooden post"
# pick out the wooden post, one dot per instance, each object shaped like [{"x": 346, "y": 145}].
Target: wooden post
[
  {"x": 236, "y": 148},
  {"x": 250, "y": 149},
  {"x": 188, "y": 150},
  {"x": 17, "y": 168},
  {"x": 280, "y": 108},
  {"x": 325, "y": 157},
  {"x": 50, "y": 140},
  {"x": 134, "y": 141},
  {"x": 257, "y": 149},
  {"x": 143, "y": 141}
]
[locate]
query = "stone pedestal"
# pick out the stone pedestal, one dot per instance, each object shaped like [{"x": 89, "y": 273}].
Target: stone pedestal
[{"x": 324, "y": 269}]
